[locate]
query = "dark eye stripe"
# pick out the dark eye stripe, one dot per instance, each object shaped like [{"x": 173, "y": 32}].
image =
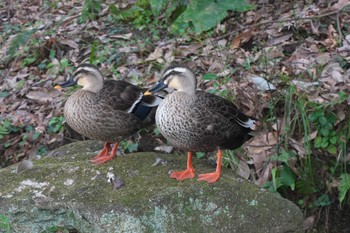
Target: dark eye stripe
[
  {"x": 174, "y": 72},
  {"x": 82, "y": 71}
]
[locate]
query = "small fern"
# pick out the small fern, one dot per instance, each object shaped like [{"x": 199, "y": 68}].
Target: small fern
[
  {"x": 19, "y": 40},
  {"x": 344, "y": 186}
]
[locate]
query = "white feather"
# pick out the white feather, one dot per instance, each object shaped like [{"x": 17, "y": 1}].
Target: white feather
[
  {"x": 246, "y": 124},
  {"x": 136, "y": 102},
  {"x": 87, "y": 68},
  {"x": 177, "y": 69}
]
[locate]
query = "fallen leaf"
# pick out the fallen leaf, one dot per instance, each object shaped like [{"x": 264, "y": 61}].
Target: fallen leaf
[
  {"x": 241, "y": 39},
  {"x": 262, "y": 84},
  {"x": 164, "y": 148},
  {"x": 299, "y": 147},
  {"x": 70, "y": 43},
  {"x": 43, "y": 96},
  {"x": 280, "y": 39},
  {"x": 24, "y": 165},
  {"x": 340, "y": 4},
  {"x": 309, "y": 223},
  {"x": 243, "y": 170},
  {"x": 304, "y": 85},
  {"x": 126, "y": 36},
  {"x": 157, "y": 53}
]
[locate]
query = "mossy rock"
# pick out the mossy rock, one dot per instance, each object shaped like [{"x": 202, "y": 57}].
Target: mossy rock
[{"x": 66, "y": 190}]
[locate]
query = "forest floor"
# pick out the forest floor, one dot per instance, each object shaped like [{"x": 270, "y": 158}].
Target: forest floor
[{"x": 285, "y": 63}]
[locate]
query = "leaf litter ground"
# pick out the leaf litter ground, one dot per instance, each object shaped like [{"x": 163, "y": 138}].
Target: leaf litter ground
[{"x": 252, "y": 58}]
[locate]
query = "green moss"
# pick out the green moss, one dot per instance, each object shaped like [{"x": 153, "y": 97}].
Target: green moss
[{"x": 75, "y": 194}]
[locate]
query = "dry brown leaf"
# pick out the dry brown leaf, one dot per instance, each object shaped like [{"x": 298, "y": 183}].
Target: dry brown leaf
[
  {"x": 222, "y": 43},
  {"x": 186, "y": 50},
  {"x": 322, "y": 58},
  {"x": 241, "y": 39},
  {"x": 280, "y": 39},
  {"x": 280, "y": 125},
  {"x": 264, "y": 176},
  {"x": 133, "y": 59},
  {"x": 310, "y": 137},
  {"x": 305, "y": 86},
  {"x": 299, "y": 147},
  {"x": 340, "y": 4},
  {"x": 70, "y": 43},
  {"x": 126, "y": 36},
  {"x": 157, "y": 53},
  {"x": 43, "y": 96},
  {"x": 309, "y": 223},
  {"x": 243, "y": 170},
  {"x": 169, "y": 57},
  {"x": 264, "y": 140},
  {"x": 332, "y": 74}
]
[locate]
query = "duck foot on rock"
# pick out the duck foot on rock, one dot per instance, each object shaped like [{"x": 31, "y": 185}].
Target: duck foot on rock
[
  {"x": 186, "y": 174},
  {"x": 104, "y": 156}
]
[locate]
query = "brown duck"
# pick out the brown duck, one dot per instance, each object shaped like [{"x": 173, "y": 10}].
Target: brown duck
[
  {"x": 107, "y": 111},
  {"x": 198, "y": 121}
]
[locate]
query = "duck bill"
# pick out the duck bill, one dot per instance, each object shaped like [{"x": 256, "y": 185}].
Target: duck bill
[
  {"x": 160, "y": 86},
  {"x": 68, "y": 83}
]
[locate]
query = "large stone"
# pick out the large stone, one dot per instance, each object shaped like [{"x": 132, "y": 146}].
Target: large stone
[{"x": 66, "y": 190}]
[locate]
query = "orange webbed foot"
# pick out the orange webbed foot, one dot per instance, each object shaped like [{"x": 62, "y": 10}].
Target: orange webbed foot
[
  {"x": 104, "y": 155},
  {"x": 186, "y": 174},
  {"x": 214, "y": 176},
  {"x": 209, "y": 177},
  {"x": 183, "y": 175}
]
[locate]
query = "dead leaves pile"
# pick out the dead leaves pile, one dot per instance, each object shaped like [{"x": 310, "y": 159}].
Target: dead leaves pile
[{"x": 257, "y": 50}]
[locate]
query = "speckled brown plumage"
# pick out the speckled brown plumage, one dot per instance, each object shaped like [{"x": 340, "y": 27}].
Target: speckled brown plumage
[
  {"x": 103, "y": 115},
  {"x": 106, "y": 110},
  {"x": 198, "y": 121},
  {"x": 201, "y": 122}
]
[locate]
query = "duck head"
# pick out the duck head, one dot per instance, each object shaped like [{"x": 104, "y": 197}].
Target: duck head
[
  {"x": 178, "y": 77},
  {"x": 86, "y": 75}
]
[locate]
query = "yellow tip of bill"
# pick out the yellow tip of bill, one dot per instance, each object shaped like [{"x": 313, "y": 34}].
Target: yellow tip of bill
[
  {"x": 57, "y": 87},
  {"x": 147, "y": 93}
]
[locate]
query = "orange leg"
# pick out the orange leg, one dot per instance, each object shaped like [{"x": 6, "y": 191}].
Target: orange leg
[
  {"x": 186, "y": 174},
  {"x": 213, "y": 177},
  {"x": 104, "y": 155}
]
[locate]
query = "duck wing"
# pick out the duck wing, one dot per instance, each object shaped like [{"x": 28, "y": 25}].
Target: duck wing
[
  {"x": 120, "y": 95},
  {"x": 224, "y": 108}
]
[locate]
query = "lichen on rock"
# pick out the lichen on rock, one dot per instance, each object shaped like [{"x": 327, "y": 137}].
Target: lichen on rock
[{"x": 65, "y": 189}]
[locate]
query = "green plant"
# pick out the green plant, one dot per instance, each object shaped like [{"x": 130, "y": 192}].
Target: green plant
[
  {"x": 229, "y": 159},
  {"x": 218, "y": 83},
  {"x": 4, "y": 224},
  {"x": 91, "y": 9},
  {"x": 201, "y": 16},
  {"x": 55, "y": 124},
  {"x": 323, "y": 200},
  {"x": 282, "y": 177},
  {"x": 139, "y": 13},
  {"x": 56, "y": 229},
  {"x": 19, "y": 40},
  {"x": 344, "y": 186},
  {"x": 327, "y": 137},
  {"x": 200, "y": 155},
  {"x": 7, "y": 128},
  {"x": 196, "y": 16},
  {"x": 129, "y": 146},
  {"x": 297, "y": 174}
]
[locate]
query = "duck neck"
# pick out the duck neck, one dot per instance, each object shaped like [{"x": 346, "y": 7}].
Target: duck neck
[
  {"x": 96, "y": 87},
  {"x": 189, "y": 84},
  {"x": 189, "y": 90}
]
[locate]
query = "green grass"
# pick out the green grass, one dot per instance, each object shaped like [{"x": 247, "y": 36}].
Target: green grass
[{"x": 4, "y": 224}]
